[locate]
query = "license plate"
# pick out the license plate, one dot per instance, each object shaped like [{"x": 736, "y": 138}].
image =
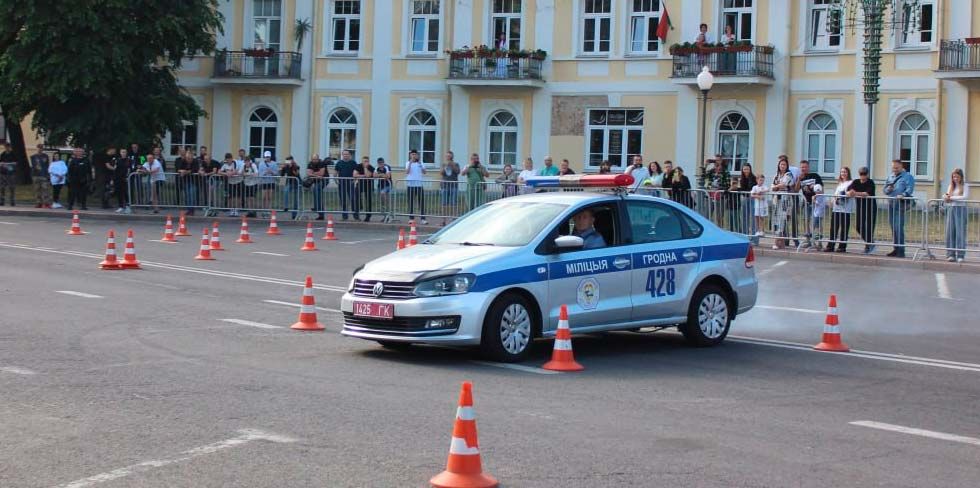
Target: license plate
[{"x": 374, "y": 310}]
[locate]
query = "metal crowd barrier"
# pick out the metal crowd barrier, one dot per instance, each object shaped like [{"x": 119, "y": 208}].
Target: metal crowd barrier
[
  {"x": 953, "y": 229},
  {"x": 171, "y": 191},
  {"x": 258, "y": 195}
]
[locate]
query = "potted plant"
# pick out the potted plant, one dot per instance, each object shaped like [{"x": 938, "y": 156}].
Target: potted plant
[{"x": 302, "y": 28}]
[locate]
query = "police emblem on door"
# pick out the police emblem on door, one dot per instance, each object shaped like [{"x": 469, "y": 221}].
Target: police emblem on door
[{"x": 587, "y": 295}]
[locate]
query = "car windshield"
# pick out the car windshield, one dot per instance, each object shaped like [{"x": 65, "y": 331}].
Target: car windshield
[{"x": 509, "y": 224}]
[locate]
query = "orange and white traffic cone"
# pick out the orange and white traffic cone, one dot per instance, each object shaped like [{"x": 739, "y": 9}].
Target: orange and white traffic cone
[
  {"x": 413, "y": 235},
  {"x": 168, "y": 231},
  {"x": 309, "y": 244},
  {"x": 205, "y": 253},
  {"x": 307, "y": 312},
  {"x": 76, "y": 225},
  {"x": 329, "y": 236},
  {"x": 216, "y": 238},
  {"x": 464, "y": 468},
  {"x": 401, "y": 240},
  {"x": 129, "y": 254},
  {"x": 831, "y": 341},
  {"x": 182, "y": 226},
  {"x": 243, "y": 236},
  {"x": 110, "y": 261},
  {"x": 273, "y": 226},
  {"x": 562, "y": 358}
]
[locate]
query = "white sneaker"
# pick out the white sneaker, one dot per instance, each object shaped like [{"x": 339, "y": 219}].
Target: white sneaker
[
  {"x": 56, "y": 205},
  {"x": 760, "y": 234},
  {"x": 128, "y": 210},
  {"x": 959, "y": 260},
  {"x": 119, "y": 210},
  {"x": 951, "y": 259},
  {"x": 425, "y": 222}
]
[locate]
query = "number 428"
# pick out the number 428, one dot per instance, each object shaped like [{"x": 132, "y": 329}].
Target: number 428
[{"x": 660, "y": 282}]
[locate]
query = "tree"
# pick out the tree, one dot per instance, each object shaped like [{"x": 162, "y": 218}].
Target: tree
[{"x": 101, "y": 72}]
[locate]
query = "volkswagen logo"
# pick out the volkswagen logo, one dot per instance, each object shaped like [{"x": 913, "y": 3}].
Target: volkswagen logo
[{"x": 379, "y": 289}]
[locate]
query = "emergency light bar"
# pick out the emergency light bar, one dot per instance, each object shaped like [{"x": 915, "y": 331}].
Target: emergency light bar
[{"x": 580, "y": 181}]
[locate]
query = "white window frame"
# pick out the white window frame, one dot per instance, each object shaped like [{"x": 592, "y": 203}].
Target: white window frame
[
  {"x": 264, "y": 124},
  {"x": 255, "y": 18},
  {"x": 347, "y": 17},
  {"x": 170, "y": 143},
  {"x": 597, "y": 18},
  {"x": 646, "y": 18},
  {"x": 506, "y": 131},
  {"x": 427, "y": 19},
  {"x": 739, "y": 11},
  {"x": 914, "y": 136},
  {"x": 344, "y": 127},
  {"x": 508, "y": 16},
  {"x": 734, "y": 134},
  {"x": 904, "y": 35},
  {"x": 607, "y": 129},
  {"x": 422, "y": 129},
  {"x": 817, "y": 163},
  {"x": 823, "y": 36}
]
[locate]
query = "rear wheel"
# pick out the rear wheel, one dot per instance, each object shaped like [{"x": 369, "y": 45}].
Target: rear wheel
[
  {"x": 508, "y": 329},
  {"x": 395, "y": 345},
  {"x": 709, "y": 317}
]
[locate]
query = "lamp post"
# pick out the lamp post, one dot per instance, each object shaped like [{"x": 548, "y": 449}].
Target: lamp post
[{"x": 705, "y": 81}]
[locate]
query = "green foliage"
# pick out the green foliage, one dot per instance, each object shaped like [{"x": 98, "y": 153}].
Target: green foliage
[
  {"x": 101, "y": 72},
  {"x": 303, "y": 27}
]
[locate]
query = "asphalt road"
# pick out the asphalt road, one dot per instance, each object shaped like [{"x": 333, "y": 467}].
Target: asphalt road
[{"x": 185, "y": 374}]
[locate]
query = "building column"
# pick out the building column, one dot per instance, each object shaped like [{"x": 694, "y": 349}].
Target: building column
[
  {"x": 381, "y": 117},
  {"x": 221, "y": 123},
  {"x": 300, "y": 144},
  {"x": 688, "y": 99},
  {"x": 544, "y": 35},
  {"x": 459, "y": 125},
  {"x": 777, "y": 96},
  {"x": 956, "y": 103}
]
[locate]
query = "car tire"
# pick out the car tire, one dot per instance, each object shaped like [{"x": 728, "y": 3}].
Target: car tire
[
  {"x": 508, "y": 329},
  {"x": 396, "y": 345},
  {"x": 709, "y": 317}
]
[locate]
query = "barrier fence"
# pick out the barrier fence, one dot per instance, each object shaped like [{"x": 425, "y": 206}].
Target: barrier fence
[{"x": 789, "y": 220}]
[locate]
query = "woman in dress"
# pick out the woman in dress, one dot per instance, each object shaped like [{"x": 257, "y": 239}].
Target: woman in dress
[
  {"x": 781, "y": 183},
  {"x": 840, "y": 221},
  {"x": 956, "y": 216}
]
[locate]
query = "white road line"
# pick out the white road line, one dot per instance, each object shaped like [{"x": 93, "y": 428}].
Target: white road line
[
  {"x": 791, "y": 309},
  {"x": 297, "y": 305},
  {"x": 271, "y": 254},
  {"x": 249, "y": 323},
  {"x": 17, "y": 370},
  {"x": 516, "y": 367},
  {"x": 919, "y": 432},
  {"x": 78, "y": 294},
  {"x": 773, "y": 268},
  {"x": 245, "y": 436},
  {"x": 367, "y": 240},
  {"x": 942, "y": 287},
  {"x": 9, "y": 223}
]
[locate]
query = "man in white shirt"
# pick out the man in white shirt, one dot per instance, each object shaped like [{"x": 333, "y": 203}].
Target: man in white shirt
[
  {"x": 268, "y": 171},
  {"x": 154, "y": 169},
  {"x": 639, "y": 172},
  {"x": 414, "y": 172}
]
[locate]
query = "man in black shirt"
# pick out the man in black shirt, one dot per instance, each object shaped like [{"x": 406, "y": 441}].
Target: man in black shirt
[
  {"x": 344, "y": 170},
  {"x": 364, "y": 175},
  {"x": 806, "y": 183},
  {"x": 316, "y": 171},
  {"x": 290, "y": 198},
  {"x": 104, "y": 175},
  {"x": 79, "y": 179},
  {"x": 121, "y": 167},
  {"x": 41, "y": 177},
  {"x": 187, "y": 170},
  {"x": 863, "y": 189},
  {"x": 206, "y": 186},
  {"x": 8, "y": 170}
]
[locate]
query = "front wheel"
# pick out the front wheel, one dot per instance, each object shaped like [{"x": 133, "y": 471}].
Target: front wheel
[
  {"x": 708, "y": 318},
  {"x": 508, "y": 329}
]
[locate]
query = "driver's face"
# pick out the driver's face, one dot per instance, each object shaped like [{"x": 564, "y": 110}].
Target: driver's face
[{"x": 583, "y": 220}]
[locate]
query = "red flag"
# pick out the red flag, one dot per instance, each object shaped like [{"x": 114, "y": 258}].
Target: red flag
[{"x": 664, "y": 25}]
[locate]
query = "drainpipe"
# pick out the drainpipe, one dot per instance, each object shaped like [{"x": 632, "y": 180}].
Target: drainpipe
[
  {"x": 312, "y": 146},
  {"x": 940, "y": 167}
]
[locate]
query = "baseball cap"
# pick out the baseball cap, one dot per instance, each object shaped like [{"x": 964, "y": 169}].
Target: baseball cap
[{"x": 268, "y": 154}]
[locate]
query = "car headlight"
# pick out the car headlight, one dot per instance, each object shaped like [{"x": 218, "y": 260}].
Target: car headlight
[{"x": 446, "y": 285}]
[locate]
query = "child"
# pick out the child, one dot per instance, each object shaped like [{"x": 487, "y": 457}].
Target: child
[
  {"x": 758, "y": 194},
  {"x": 819, "y": 208},
  {"x": 58, "y": 171}
]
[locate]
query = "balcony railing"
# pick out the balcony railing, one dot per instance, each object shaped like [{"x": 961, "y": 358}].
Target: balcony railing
[
  {"x": 724, "y": 61},
  {"x": 256, "y": 65},
  {"x": 960, "y": 55},
  {"x": 490, "y": 69}
]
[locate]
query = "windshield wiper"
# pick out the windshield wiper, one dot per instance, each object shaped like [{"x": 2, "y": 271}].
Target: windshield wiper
[{"x": 467, "y": 243}]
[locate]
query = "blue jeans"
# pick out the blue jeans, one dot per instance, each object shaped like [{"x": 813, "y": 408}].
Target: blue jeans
[
  {"x": 190, "y": 194},
  {"x": 896, "y": 217},
  {"x": 290, "y": 196},
  {"x": 956, "y": 231},
  {"x": 348, "y": 196}
]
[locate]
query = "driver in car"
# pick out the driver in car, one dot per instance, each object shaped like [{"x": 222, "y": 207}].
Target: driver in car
[{"x": 585, "y": 228}]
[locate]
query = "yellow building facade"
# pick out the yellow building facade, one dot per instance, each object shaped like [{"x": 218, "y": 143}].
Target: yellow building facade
[{"x": 382, "y": 77}]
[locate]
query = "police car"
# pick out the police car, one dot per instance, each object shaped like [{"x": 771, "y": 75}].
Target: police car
[{"x": 497, "y": 277}]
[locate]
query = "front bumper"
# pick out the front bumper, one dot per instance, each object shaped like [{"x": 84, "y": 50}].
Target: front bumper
[{"x": 411, "y": 316}]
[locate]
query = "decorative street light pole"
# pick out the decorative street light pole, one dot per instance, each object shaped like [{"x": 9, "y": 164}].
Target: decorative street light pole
[{"x": 705, "y": 81}]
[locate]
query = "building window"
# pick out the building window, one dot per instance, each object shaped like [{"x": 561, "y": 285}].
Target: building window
[
  {"x": 615, "y": 136},
  {"x": 918, "y": 23},
  {"x": 821, "y": 143},
  {"x": 341, "y": 133},
  {"x": 345, "y": 21},
  {"x": 424, "y": 26},
  {"x": 422, "y": 135},
  {"x": 644, "y": 19},
  {"x": 824, "y": 30},
  {"x": 267, "y": 24},
  {"x": 914, "y": 138},
  {"x": 502, "y": 147},
  {"x": 505, "y": 20},
  {"x": 737, "y": 14},
  {"x": 263, "y": 127},
  {"x": 596, "y": 26},
  {"x": 733, "y": 140},
  {"x": 184, "y": 138}
]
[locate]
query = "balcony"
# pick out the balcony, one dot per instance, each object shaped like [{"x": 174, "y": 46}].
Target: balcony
[
  {"x": 742, "y": 64},
  {"x": 258, "y": 67},
  {"x": 503, "y": 71},
  {"x": 959, "y": 59}
]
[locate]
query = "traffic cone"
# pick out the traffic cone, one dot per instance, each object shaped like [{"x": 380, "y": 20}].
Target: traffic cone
[
  {"x": 329, "y": 235},
  {"x": 243, "y": 237},
  {"x": 129, "y": 254},
  {"x": 273, "y": 226},
  {"x": 831, "y": 331},
  {"x": 182, "y": 226},
  {"x": 464, "y": 468},
  {"x": 413, "y": 235},
  {"x": 168, "y": 231},
  {"x": 309, "y": 244},
  {"x": 110, "y": 261},
  {"x": 307, "y": 312},
  {"x": 562, "y": 358},
  {"x": 76, "y": 226},
  {"x": 205, "y": 253},
  {"x": 401, "y": 240},
  {"x": 216, "y": 238}
]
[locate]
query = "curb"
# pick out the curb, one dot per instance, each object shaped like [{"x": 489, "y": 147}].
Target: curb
[{"x": 872, "y": 261}]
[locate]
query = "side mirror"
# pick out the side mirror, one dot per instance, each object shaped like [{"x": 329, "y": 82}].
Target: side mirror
[{"x": 569, "y": 242}]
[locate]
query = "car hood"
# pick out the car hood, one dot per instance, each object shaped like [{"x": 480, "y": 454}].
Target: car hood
[{"x": 409, "y": 264}]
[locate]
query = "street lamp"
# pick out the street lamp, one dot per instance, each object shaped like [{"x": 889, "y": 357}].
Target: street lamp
[{"x": 705, "y": 81}]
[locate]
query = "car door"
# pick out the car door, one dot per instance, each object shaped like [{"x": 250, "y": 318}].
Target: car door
[
  {"x": 666, "y": 252},
  {"x": 593, "y": 283}
]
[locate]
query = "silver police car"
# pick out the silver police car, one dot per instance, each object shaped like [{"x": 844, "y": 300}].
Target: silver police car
[{"x": 497, "y": 277}]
